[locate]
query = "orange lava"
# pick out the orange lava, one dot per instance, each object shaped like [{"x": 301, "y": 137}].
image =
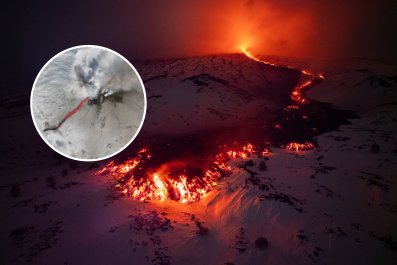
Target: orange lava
[
  {"x": 296, "y": 95},
  {"x": 163, "y": 185},
  {"x": 297, "y": 92},
  {"x": 296, "y": 147}
]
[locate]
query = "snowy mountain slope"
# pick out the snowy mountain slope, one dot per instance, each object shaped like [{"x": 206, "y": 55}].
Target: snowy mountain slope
[
  {"x": 328, "y": 206},
  {"x": 200, "y": 93}
]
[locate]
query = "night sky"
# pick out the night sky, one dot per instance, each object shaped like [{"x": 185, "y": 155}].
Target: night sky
[{"x": 156, "y": 29}]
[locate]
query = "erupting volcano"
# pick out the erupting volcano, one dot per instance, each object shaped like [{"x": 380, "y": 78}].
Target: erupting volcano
[
  {"x": 173, "y": 180},
  {"x": 268, "y": 133},
  {"x": 185, "y": 168}
]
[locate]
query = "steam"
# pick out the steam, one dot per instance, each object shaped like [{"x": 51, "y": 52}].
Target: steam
[
  {"x": 101, "y": 74},
  {"x": 304, "y": 28}
]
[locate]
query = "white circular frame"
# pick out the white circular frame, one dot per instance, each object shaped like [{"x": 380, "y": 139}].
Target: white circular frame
[{"x": 144, "y": 107}]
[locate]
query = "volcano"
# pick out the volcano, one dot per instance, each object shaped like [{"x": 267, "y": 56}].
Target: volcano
[{"x": 239, "y": 161}]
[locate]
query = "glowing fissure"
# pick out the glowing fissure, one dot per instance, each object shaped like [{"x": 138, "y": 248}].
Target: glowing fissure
[
  {"x": 296, "y": 95},
  {"x": 163, "y": 185},
  {"x": 297, "y": 92}
]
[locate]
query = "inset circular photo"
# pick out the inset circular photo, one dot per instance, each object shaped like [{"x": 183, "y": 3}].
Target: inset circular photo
[{"x": 88, "y": 103}]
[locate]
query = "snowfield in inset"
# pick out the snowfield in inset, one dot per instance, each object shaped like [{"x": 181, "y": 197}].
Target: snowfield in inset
[{"x": 88, "y": 103}]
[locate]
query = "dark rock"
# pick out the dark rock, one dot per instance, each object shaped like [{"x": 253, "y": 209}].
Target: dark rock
[
  {"x": 15, "y": 190},
  {"x": 261, "y": 243},
  {"x": 249, "y": 163},
  {"x": 262, "y": 166},
  {"x": 375, "y": 148}
]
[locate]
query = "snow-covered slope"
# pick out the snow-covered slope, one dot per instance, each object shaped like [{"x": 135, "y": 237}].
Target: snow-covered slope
[
  {"x": 203, "y": 93},
  {"x": 336, "y": 204}
]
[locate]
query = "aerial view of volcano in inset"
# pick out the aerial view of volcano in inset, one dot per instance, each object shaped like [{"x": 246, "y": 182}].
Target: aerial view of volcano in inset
[
  {"x": 269, "y": 135},
  {"x": 88, "y": 103}
]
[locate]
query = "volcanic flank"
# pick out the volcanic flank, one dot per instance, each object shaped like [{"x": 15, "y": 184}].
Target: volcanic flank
[
  {"x": 219, "y": 174},
  {"x": 205, "y": 111}
]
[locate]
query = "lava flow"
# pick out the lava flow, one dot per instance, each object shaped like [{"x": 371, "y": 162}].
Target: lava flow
[
  {"x": 186, "y": 167},
  {"x": 70, "y": 114},
  {"x": 139, "y": 182},
  {"x": 297, "y": 96},
  {"x": 299, "y": 146},
  {"x": 297, "y": 92}
]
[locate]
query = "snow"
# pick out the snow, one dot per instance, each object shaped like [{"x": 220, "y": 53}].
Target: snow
[
  {"x": 204, "y": 93},
  {"x": 331, "y": 205}
]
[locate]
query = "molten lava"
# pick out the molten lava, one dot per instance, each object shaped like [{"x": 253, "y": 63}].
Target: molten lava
[
  {"x": 140, "y": 183},
  {"x": 297, "y": 92},
  {"x": 70, "y": 114},
  {"x": 297, "y": 95},
  {"x": 296, "y": 147}
]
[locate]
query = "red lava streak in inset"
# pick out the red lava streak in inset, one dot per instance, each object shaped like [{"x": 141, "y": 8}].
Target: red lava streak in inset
[{"x": 68, "y": 115}]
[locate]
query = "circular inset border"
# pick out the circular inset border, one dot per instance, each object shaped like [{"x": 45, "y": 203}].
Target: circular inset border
[{"x": 144, "y": 107}]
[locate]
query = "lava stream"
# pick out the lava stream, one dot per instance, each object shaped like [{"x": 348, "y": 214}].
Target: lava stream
[
  {"x": 70, "y": 114},
  {"x": 297, "y": 96},
  {"x": 297, "y": 92},
  {"x": 140, "y": 183},
  {"x": 141, "y": 179}
]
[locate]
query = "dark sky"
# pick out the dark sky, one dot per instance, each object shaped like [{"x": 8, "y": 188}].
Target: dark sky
[{"x": 37, "y": 30}]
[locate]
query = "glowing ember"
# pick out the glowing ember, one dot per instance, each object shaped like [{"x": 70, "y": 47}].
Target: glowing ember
[
  {"x": 296, "y": 147},
  {"x": 297, "y": 94},
  {"x": 163, "y": 184},
  {"x": 291, "y": 107}
]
